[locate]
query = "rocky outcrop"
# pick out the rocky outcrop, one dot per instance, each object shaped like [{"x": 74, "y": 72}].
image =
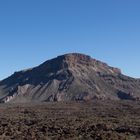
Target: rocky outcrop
[{"x": 69, "y": 77}]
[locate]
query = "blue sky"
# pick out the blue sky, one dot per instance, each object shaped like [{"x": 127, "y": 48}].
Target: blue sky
[{"x": 32, "y": 31}]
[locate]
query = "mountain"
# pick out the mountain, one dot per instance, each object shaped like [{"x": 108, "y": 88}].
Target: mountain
[{"x": 69, "y": 77}]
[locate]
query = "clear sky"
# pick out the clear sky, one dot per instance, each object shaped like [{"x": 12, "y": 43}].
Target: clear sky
[{"x": 32, "y": 31}]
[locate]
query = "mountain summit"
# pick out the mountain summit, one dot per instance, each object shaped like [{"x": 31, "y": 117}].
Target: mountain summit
[{"x": 69, "y": 77}]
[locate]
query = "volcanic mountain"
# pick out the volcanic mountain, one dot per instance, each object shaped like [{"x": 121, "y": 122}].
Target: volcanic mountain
[{"x": 69, "y": 77}]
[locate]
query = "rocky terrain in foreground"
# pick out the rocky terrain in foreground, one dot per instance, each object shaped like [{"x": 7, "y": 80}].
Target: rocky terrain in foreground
[
  {"x": 70, "y": 77},
  {"x": 98, "y": 120}
]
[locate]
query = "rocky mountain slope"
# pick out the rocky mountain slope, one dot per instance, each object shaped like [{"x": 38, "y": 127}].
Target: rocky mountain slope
[{"x": 69, "y": 77}]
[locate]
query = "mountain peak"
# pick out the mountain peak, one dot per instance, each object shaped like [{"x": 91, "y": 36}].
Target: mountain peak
[
  {"x": 76, "y": 56},
  {"x": 77, "y": 61},
  {"x": 69, "y": 77}
]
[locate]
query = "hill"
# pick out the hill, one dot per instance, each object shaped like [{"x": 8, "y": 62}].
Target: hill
[{"x": 69, "y": 77}]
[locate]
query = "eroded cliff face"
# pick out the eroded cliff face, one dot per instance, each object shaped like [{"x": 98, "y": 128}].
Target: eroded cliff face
[{"x": 69, "y": 77}]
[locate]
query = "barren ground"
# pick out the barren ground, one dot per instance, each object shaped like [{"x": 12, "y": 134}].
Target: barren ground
[{"x": 98, "y": 120}]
